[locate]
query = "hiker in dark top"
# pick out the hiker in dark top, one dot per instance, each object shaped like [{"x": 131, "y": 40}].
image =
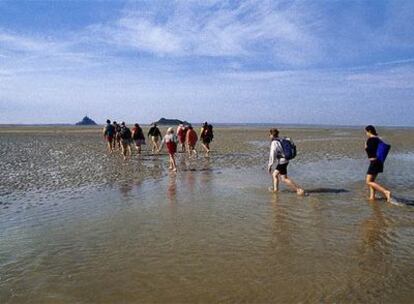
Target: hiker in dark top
[
  {"x": 109, "y": 133},
  {"x": 154, "y": 134},
  {"x": 375, "y": 165},
  {"x": 117, "y": 141},
  {"x": 138, "y": 137},
  {"x": 206, "y": 136},
  {"x": 126, "y": 138}
]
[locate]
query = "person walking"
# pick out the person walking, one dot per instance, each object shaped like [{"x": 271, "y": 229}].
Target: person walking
[
  {"x": 181, "y": 134},
  {"x": 154, "y": 134},
  {"x": 125, "y": 138},
  {"x": 138, "y": 137},
  {"x": 171, "y": 141},
  {"x": 278, "y": 156},
  {"x": 109, "y": 133},
  {"x": 191, "y": 139},
  {"x": 117, "y": 140},
  {"x": 375, "y": 165},
  {"x": 206, "y": 136}
]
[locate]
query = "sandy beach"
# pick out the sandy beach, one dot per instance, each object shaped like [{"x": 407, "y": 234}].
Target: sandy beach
[{"x": 79, "y": 225}]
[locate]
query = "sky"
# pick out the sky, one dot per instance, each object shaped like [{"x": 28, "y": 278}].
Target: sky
[{"x": 309, "y": 62}]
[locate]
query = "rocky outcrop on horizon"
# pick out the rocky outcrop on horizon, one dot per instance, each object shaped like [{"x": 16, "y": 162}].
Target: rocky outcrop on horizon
[
  {"x": 170, "y": 122},
  {"x": 86, "y": 121}
]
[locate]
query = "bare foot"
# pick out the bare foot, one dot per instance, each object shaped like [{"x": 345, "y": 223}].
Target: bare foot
[
  {"x": 300, "y": 192},
  {"x": 388, "y": 196},
  {"x": 273, "y": 190},
  {"x": 174, "y": 170}
]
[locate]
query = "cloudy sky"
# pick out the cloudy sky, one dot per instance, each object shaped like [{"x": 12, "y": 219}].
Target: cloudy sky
[{"x": 319, "y": 62}]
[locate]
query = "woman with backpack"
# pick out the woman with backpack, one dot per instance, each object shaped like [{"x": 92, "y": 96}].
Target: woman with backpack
[
  {"x": 138, "y": 137},
  {"x": 206, "y": 136},
  {"x": 279, "y": 156},
  {"x": 376, "y": 166}
]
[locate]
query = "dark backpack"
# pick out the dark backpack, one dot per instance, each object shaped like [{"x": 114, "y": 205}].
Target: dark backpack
[
  {"x": 138, "y": 134},
  {"x": 109, "y": 130},
  {"x": 289, "y": 148},
  {"x": 125, "y": 133},
  {"x": 209, "y": 132}
]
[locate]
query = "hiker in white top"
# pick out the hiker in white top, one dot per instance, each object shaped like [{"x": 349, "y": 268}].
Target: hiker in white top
[{"x": 277, "y": 156}]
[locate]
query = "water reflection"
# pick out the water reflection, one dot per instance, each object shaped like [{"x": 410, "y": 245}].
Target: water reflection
[
  {"x": 125, "y": 188},
  {"x": 190, "y": 181},
  {"x": 172, "y": 188},
  {"x": 373, "y": 252},
  {"x": 206, "y": 175},
  {"x": 374, "y": 230},
  {"x": 280, "y": 224}
]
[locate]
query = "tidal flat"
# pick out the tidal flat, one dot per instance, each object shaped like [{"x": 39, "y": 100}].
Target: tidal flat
[{"x": 78, "y": 225}]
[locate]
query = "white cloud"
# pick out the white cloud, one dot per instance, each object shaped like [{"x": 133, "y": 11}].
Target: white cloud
[
  {"x": 390, "y": 78},
  {"x": 248, "y": 29}
]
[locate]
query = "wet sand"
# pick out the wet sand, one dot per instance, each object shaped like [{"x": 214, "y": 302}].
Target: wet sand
[{"x": 79, "y": 225}]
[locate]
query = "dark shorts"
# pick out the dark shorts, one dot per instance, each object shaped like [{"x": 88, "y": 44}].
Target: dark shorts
[
  {"x": 126, "y": 142},
  {"x": 375, "y": 167},
  {"x": 139, "y": 142},
  {"x": 282, "y": 169},
  {"x": 109, "y": 138}
]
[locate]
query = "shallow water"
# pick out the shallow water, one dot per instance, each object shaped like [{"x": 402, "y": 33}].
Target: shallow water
[{"x": 80, "y": 226}]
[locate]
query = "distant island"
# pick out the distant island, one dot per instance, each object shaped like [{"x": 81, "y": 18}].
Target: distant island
[
  {"x": 169, "y": 122},
  {"x": 86, "y": 121}
]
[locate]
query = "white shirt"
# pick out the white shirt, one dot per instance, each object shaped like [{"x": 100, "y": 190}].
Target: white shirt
[{"x": 276, "y": 154}]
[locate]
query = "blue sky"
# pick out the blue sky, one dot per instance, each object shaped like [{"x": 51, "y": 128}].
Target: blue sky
[{"x": 319, "y": 62}]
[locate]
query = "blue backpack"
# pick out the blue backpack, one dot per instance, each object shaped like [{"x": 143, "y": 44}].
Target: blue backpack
[
  {"x": 289, "y": 148},
  {"x": 382, "y": 151}
]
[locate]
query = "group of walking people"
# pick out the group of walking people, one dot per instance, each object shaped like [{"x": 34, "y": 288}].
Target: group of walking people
[
  {"x": 121, "y": 137},
  {"x": 282, "y": 150}
]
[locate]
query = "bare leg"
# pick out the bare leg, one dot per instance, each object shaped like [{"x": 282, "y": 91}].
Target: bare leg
[
  {"x": 275, "y": 178},
  {"x": 156, "y": 144},
  {"x": 371, "y": 178},
  {"x": 124, "y": 150},
  {"x": 373, "y": 186},
  {"x": 206, "y": 147},
  {"x": 173, "y": 165},
  {"x": 129, "y": 149},
  {"x": 110, "y": 147},
  {"x": 118, "y": 140},
  {"x": 292, "y": 185}
]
